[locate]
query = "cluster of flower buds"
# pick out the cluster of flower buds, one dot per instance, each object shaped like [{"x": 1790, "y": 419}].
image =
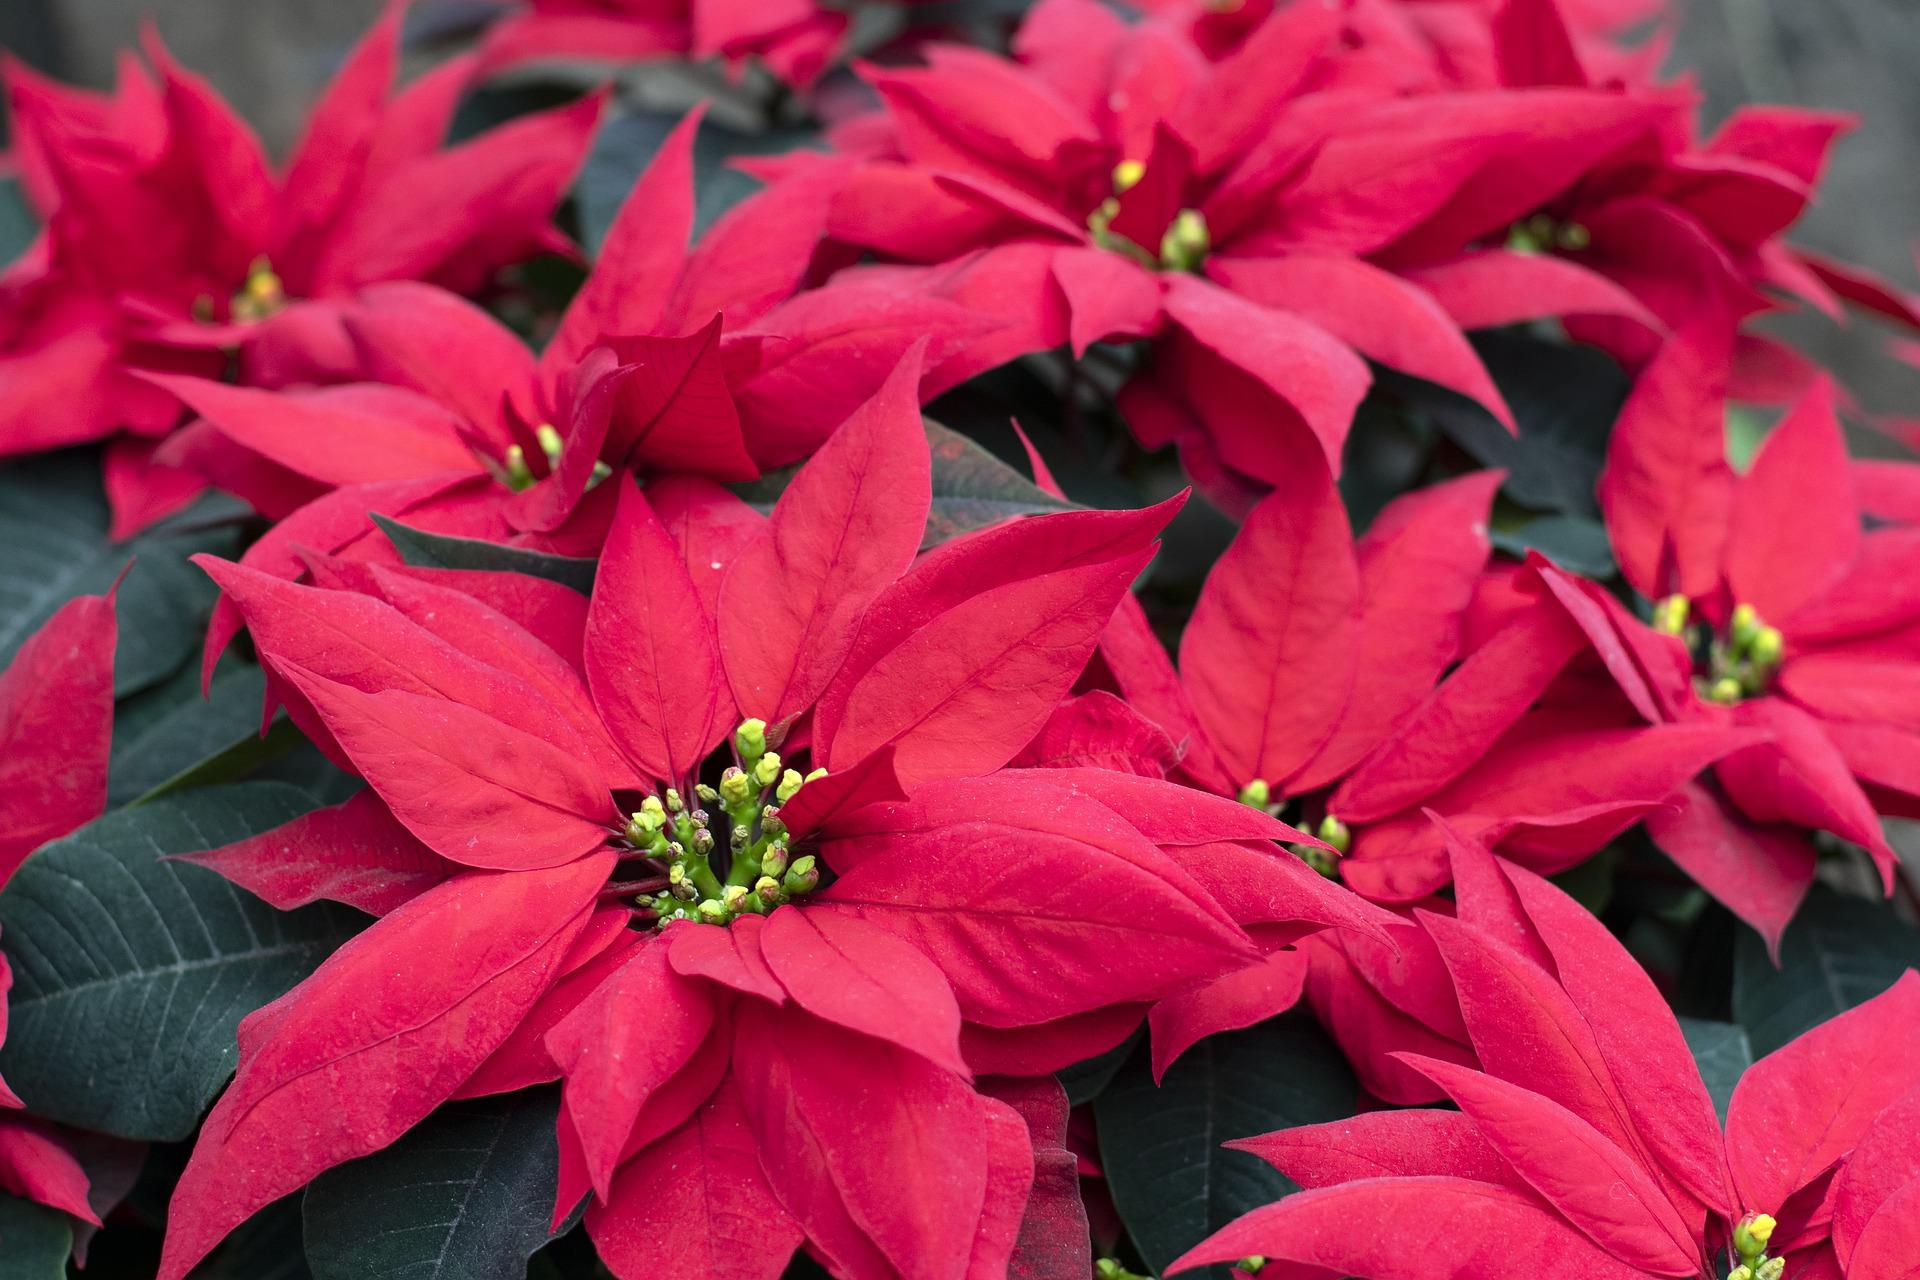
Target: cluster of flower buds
[
  {"x": 756, "y": 871},
  {"x": 1183, "y": 246},
  {"x": 1336, "y": 834},
  {"x": 1734, "y": 666}
]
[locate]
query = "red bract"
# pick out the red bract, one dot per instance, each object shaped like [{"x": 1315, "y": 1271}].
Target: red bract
[
  {"x": 1247, "y": 214},
  {"x": 794, "y": 39},
  {"x": 821, "y": 963},
  {"x": 1585, "y": 1139},
  {"x": 56, "y": 725},
  {"x": 1311, "y": 673},
  {"x": 1777, "y": 610},
  {"x": 169, "y": 240}
]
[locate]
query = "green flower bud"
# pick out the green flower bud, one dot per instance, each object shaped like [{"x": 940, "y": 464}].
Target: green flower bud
[
  {"x": 768, "y": 890},
  {"x": 736, "y": 789},
  {"x": 770, "y": 823},
  {"x": 550, "y": 442},
  {"x": 518, "y": 474},
  {"x": 766, "y": 770},
  {"x": 674, "y": 803},
  {"x": 1771, "y": 1269},
  {"x": 1257, "y": 793},
  {"x": 790, "y": 782},
  {"x": 1752, "y": 1234},
  {"x": 732, "y": 896},
  {"x": 802, "y": 877},
  {"x": 702, "y": 841},
  {"x": 737, "y": 838},
  {"x": 707, "y": 794},
  {"x": 1335, "y": 833},
  {"x": 1743, "y": 626},
  {"x": 1251, "y": 1264},
  {"x": 1670, "y": 615},
  {"x": 1186, "y": 244},
  {"x": 774, "y": 861},
  {"x": 1726, "y": 691},
  {"x": 1767, "y": 647},
  {"x": 712, "y": 912},
  {"x": 653, "y": 806},
  {"x": 1574, "y": 237},
  {"x": 643, "y": 826},
  {"x": 1741, "y": 1272},
  {"x": 750, "y": 739},
  {"x": 816, "y": 775}
]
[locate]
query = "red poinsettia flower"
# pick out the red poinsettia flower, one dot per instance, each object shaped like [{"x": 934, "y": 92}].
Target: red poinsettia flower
[
  {"x": 1112, "y": 184},
  {"x": 168, "y": 240},
  {"x": 1312, "y": 670},
  {"x": 1585, "y": 1141},
  {"x": 1675, "y": 220},
  {"x": 794, "y": 39},
  {"x": 821, "y": 964},
  {"x": 56, "y": 724},
  {"x": 1775, "y": 610}
]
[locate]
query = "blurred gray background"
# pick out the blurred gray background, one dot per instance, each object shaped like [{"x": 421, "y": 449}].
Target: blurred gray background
[{"x": 269, "y": 56}]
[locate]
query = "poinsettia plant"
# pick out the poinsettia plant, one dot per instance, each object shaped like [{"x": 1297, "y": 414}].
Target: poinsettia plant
[{"x": 608, "y": 669}]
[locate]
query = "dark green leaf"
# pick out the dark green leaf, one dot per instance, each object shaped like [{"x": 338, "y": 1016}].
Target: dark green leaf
[
  {"x": 971, "y": 488},
  {"x": 1085, "y": 1081},
  {"x": 265, "y": 1247},
  {"x": 53, "y": 547},
  {"x": 1837, "y": 953},
  {"x": 170, "y": 730},
  {"x": 1577, "y": 544},
  {"x": 18, "y": 226},
  {"x": 34, "y": 1241},
  {"x": 131, "y": 973},
  {"x": 1172, "y": 1181},
  {"x": 465, "y": 1196},
  {"x": 1564, "y": 399},
  {"x": 438, "y": 551},
  {"x": 627, "y": 144},
  {"x": 1721, "y": 1051}
]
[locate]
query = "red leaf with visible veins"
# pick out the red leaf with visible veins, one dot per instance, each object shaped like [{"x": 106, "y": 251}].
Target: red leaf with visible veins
[
  {"x": 350, "y": 1059},
  {"x": 56, "y": 724},
  {"x": 1239, "y": 999},
  {"x": 846, "y": 971},
  {"x": 1419, "y": 562},
  {"x": 963, "y": 694},
  {"x": 822, "y": 1101},
  {"x": 621, "y": 1045},
  {"x": 1782, "y": 549},
  {"x": 1759, "y": 871},
  {"x": 641, "y": 256},
  {"x": 1462, "y": 1229},
  {"x": 1061, "y": 907},
  {"x": 846, "y": 527},
  {"x": 651, "y": 656},
  {"x": 695, "y": 1205},
  {"x": 1384, "y": 1144},
  {"x": 1885, "y": 1160},
  {"x": 476, "y": 790},
  {"x": 1595, "y": 1184},
  {"x": 356, "y": 853},
  {"x": 1667, "y": 490},
  {"x": 1270, "y": 657},
  {"x": 36, "y": 1164},
  {"x": 1805, "y": 1105}
]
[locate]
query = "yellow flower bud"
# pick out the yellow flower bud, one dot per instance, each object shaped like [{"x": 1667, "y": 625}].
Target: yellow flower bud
[
  {"x": 1257, "y": 793},
  {"x": 766, "y": 770},
  {"x": 1127, "y": 175}
]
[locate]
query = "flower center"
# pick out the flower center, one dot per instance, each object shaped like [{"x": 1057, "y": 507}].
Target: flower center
[
  {"x": 700, "y": 878},
  {"x": 1184, "y": 244},
  {"x": 1544, "y": 233},
  {"x": 518, "y": 476},
  {"x": 261, "y": 296},
  {"x": 1258, "y": 794},
  {"x": 1731, "y": 665}
]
